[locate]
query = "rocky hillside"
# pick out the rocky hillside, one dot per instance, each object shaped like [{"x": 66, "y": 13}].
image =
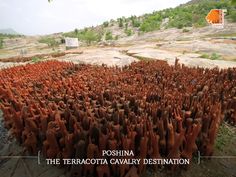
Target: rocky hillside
[{"x": 191, "y": 14}]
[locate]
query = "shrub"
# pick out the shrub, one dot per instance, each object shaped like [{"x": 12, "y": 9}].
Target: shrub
[
  {"x": 1, "y": 43},
  {"x": 126, "y": 26},
  {"x": 134, "y": 21},
  {"x": 112, "y": 22},
  {"x": 149, "y": 26},
  {"x": 205, "y": 56},
  {"x": 215, "y": 56},
  {"x": 36, "y": 59},
  {"x": 232, "y": 16},
  {"x": 108, "y": 36},
  {"x": 76, "y": 31},
  {"x": 223, "y": 137},
  {"x": 184, "y": 19},
  {"x": 151, "y": 23},
  {"x": 185, "y": 30},
  {"x": 51, "y": 42},
  {"x": 89, "y": 36},
  {"x": 128, "y": 32},
  {"x": 106, "y": 24},
  {"x": 120, "y": 21},
  {"x": 63, "y": 41}
]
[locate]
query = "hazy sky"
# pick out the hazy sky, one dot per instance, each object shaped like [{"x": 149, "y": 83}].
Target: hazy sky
[{"x": 40, "y": 17}]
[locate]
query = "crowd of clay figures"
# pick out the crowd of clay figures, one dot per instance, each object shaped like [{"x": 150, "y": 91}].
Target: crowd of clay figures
[{"x": 154, "y": 109}]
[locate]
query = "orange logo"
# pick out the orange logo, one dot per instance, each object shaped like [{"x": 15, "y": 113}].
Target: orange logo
[{"x": 215, "y": 17}]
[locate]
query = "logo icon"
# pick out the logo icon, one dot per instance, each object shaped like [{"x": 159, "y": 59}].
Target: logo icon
[{"x": 216, "y": 17}]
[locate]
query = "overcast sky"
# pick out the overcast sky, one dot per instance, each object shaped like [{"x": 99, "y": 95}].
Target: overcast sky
[{"x": 32, "y": 17}]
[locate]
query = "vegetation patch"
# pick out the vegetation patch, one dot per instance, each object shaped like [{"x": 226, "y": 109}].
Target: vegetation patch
[
  {"x": 224, "y": 136},
  {"x": 1, "y": 43},
  {"x": 143, "y": 58},
  {"x": 50, "y": 41},
  {"x": 105, "y": 24},
  {"x": 151, "y": 23},
  {"x": 88, "y": 35},
  {"x": 120, "y": 22},
  {"x": 232, "y": 16},
  {"x": 128, "y": 32},
  {"x": 108, "y": 36},
  {"x": 36, "y": 59},
  {"x": 10, "y": 36},
  {"x": 213, "y": 56},
  {"x": 135, "y": 21},
  {"x": 185, "y": 30},
  {"x": 7, "y": 36},
  {"x": 185, "y": 15}
]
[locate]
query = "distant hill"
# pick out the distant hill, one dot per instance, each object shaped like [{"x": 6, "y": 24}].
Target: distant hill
[{"x": 8, "y": 31}]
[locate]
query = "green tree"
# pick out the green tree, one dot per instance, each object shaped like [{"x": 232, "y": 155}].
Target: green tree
[
  {"x": 105, "y": 24},
  {"x": 126, "y": 25},
  {"x": 120, "y": 21},
  {"x": 76, "y": 31},
  {"x": 134, "y": 21},
  {"x": 89, "y": 36}
]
